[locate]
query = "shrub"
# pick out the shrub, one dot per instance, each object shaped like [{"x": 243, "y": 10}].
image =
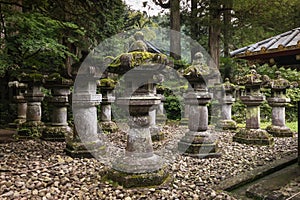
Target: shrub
[
  {"x": 173, "y": 107},
  {"x": 239, "y": 112}
]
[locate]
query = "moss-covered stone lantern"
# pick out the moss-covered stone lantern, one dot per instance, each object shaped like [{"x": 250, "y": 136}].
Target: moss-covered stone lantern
[
  {"x": 252, "y": 98},
  {"x": 139, "y": 166},
  {"x": 198, "y": 141},
  {"x": 85, "y": 140},
  {"x": 107, "y": 86},
  {"x": 226, "y": 104},
  {"x": 160, "y": 112},
  {"x": 278, "y": 101},
  {"x": 19, "y": 99},
  {"x": 33, "y": 126},
  {"x": 59, "y": 86}
]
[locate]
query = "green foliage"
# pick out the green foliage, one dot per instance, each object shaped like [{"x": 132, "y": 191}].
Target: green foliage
[
  {"x": 173, "y": 107},
  {"x": 33, "y": 42},
  {"x": 291, "y": 109},
  {"x": 255, "y": 20},
  {"x": 265, "y": 112},
  {"x": 46, "y": 106},
  {"x": 136, "y": 58},
  {"x": 239, "y": 112},
  {"x": 42, "y": 35},
  {"x": 8, "y": 112},
  {"x": 287, "y": 73},
  {"x": 233, "y": 68},
  {"x": 292, "y": 125},
  {"x": 138, "y": 20},
  {"x": 107, "y": 82},
  {"x": 179, "y": 64},
  {"x": 293, "y": 94},
  {"x": 31, "y": 132}
]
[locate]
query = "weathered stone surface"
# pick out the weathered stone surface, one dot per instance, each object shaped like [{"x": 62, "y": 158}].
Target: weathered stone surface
[
  {"x": 78, "y": 149},
  {"x": 108, "y": 98},
  {"x": 58, "y": 129},
  {"x": 58, "y": 133},
  {"x": 278, "y": 101},
  {"x": 227, "y": 100},
  {"x": 279, "y": 131},
  {"x": 252, "y": 98},
  {"x": 33, "y": 126},
  {"x": 84, "y": 101},
  {"x": 155, "y": 131},
  {"x": 253, "y": 136},
  {"x": 19, "y": 99},
  {"x": 185, "y": 120},
  {"x": 129, "y": 180},
  {"x": 139, "y": 166},
  {"x": 160, "y": 113},
  {"x": 198, "y": 142}
]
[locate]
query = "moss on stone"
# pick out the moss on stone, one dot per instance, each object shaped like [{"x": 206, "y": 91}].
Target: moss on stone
[
  {"x": 109, "y": 126},
  {"x": 228, "y": 125},
  {"x": 279, "y": 131},
  {"x": 131, "y": 180},
  {"x": 196, "y": 70},
  {"x": 79, "y": 149},
  {"x": 30, "y": 130},
  {"x": 137, "y": 58},
  {"x": 55, "y": 133},
  {"x": 107, "y": 82},
  {"x": 254, "y": 137},
  {"x": 54, "y": 76}
]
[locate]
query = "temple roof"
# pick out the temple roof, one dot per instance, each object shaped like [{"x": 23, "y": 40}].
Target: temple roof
[{"x": 282, "y": 49}]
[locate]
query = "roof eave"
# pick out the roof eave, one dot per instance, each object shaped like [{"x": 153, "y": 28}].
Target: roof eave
[{"x": 281, "y": 51}]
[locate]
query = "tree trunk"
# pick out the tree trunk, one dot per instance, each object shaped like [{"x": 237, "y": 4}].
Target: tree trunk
[
  {"x": 214, "y": 31},
  {"x": 227, "y": 26},
  {"x": 175, "y": 46},
  {"x": 194, "y": 27}
]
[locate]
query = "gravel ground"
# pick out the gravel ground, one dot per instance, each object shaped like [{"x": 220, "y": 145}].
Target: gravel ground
[{"x": 36, "y": 169}]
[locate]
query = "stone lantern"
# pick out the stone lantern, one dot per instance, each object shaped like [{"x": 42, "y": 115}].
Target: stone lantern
[
  {"x": 278, "y": 101},
  {"x": 85, "y": 141},
  {"x": 155, "y": 130},
  {"x": 216, "y": 103},
  {"x": 186, "y": 110},
  {"x": 160, "y": 113},
  {"x": 21, "y": 103},
  {"x": 60, "y": 91},
  {"x": 227, "y": 101},
  {"x": 252, "y": 98},
  {"x": 33, "y": 126},
  {"x": 106, "y": 87},
  {"x": 198, "y": 141},
  {"x": 139, "y": 166}
]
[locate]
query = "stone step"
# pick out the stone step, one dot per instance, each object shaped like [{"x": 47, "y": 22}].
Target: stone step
[
  {"x": 266, "y": 186},
  {"x": 6, "y": 135}
]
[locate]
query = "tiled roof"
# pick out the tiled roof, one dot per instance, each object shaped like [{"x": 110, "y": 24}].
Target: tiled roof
[{"x": 289, "y": 40}]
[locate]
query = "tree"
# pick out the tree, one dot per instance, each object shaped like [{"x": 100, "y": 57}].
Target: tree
[
  {"x": 227, "y": 28},
  {"x": 175, "y": 46},
  {"x": 214, "y": 30},
  {"x": 255, "y": 20},
  {"x": 46, "y": 33},
  {"x": 175, "y": 40}
]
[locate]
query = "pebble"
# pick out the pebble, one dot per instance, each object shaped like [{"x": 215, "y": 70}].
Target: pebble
[
  {"x": 8, "y": 194},
  {"x": 61, "y": 177},
  {"x": 35, "y": 192}
]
